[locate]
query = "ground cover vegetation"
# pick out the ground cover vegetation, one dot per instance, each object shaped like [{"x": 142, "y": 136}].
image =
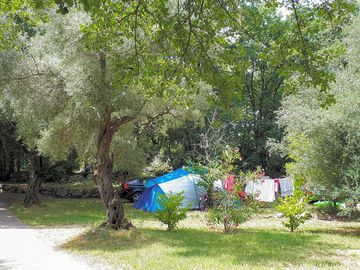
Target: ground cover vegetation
[
  {"x": 230, "y": 88},
  {"x": 260, "y": 243}
]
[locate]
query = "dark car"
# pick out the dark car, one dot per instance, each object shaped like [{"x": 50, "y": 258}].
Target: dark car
[{"x": 133, "y": 190}]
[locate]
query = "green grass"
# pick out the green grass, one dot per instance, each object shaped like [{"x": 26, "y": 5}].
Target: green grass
[
  {"x": 57, "y": 212},
  {"x": 152, "y": 248},
  {"x": 261, "y": 243}
]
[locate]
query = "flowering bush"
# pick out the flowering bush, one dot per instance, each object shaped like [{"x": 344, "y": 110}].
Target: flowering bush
[{"x": 229, "y": 211}]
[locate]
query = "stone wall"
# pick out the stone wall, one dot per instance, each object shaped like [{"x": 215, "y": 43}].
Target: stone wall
[{"x": 58, "y": 192}]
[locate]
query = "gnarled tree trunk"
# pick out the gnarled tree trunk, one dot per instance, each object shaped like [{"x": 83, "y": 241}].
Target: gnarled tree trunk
[
  {"x": 32, "y": 195},
  {"x": 104, "y": 164},
  {"x": 111, "y": 198}
]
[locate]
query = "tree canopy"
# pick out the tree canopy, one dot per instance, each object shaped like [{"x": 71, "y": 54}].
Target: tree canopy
[
  {"x": 95, "y": 75},
  {"x": 324, "y": 142}
]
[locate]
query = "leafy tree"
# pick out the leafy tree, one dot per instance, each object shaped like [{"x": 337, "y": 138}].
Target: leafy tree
[
  {"x": 263, "y": 53},
  {"x": 18, "y": 20},
  {"x": 85, "y": 81},
  {"x": 324, "y": 142}
]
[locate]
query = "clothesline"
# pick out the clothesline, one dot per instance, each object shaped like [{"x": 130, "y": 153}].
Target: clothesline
[{"x": 264, "y": 189}]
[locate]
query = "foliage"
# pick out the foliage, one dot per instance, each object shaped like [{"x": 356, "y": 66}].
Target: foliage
[
  {"x": 275, "y": 47},
  {"x": 294, "y": 208},
  {"x": 328, "y": 212},
  {"x": 348, "y": 195},
  {"x": 171, "y": 209},
  {"x": 209, "y": 172},
  {"x": 349, "y": 213},
  {"x": 324, "y": 142},
  {"x": 156, "y": 167},
  {"x": 198, "y": 136},
  {"x": 229, "y": 211},
  {"x": 18, "y": 21}
]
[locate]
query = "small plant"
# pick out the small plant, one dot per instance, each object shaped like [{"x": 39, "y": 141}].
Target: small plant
[
  {"x": 294, "y": 208},
  {"x": 171, "y": 211},
  {"x": 229, "y": 211}
]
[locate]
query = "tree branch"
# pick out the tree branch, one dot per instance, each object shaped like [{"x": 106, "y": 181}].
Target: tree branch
[
  {"x": 303, "y": 41},
  {"x": 117, "y": 122}
]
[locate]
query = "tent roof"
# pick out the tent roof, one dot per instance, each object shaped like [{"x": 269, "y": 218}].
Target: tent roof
[{"x": 167, "y": 177}]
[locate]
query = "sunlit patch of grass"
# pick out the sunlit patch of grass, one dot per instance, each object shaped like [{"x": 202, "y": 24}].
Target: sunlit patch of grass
[{"x": 152, "y": 248}]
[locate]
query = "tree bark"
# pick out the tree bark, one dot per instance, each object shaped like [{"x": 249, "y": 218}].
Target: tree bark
[
  {"x": 111, "y": 198},
  {"x": 32, "y": 195},
  {"x": 104, "y": 160}
]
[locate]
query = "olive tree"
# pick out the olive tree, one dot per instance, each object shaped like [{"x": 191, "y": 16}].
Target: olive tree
[
  {"x": 86, "y": 80},
  {"x": 324, "y": 141}
]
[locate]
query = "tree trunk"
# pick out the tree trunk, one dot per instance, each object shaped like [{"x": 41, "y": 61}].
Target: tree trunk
[
  {"x": 32, "y": 195},
  {"x": 104, "y": 163},
  {"x": 111, "y": 198},
  {"x": 18, "y": 163},
  {"x": 11, "y": 161}
]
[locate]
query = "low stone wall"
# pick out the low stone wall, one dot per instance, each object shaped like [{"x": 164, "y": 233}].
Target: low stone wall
[{"x": 58, "y": 192}]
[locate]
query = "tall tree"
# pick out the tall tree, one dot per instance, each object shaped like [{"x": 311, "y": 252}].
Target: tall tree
[
  {"x": 84, "y": 81},
  {"x": 324, "y": 142},
  {"x": 274, "y": 45}
]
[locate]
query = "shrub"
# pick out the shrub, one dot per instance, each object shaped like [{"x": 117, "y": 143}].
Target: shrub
[
  {"x": 229, "y": 211},
  {"x": 328, "y": 210},
  {"x": 171, "y": 209},
  {"x": 294, "y": 208}
]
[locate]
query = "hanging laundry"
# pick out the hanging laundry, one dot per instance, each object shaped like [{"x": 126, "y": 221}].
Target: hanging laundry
[
  {"x": 267, "y": 190},
  {"x": 229, "y": 182},
  {"x": 286, "y": 186},
  {"x": 277, "y": 185},
  {"x": 253, "y": 188},
  {"x": 249, "y": 188}
]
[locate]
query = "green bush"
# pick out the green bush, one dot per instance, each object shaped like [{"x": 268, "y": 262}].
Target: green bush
[
  {"x": 171, "y": 209},
  {"x": 294, "y": 208},
  {"x": 229, "y": 211}
]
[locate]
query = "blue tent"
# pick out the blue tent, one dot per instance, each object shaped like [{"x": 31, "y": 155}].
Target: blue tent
[{"x": 176, "y": 181}]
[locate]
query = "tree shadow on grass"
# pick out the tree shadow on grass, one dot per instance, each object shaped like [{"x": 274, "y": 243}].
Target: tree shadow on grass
[
  {"x": 250, "y": 247},
  {"x": 352, "y": 231}
]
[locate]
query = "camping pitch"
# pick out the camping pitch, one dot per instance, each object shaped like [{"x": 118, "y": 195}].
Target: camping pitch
[{"x": 174, "y": 182}]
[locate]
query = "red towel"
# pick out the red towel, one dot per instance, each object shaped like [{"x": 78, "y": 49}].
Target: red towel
[{"x": 229, "y": 182}]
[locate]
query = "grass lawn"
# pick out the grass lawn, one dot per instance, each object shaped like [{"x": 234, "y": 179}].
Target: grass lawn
[{"x": 262, "y": 243}]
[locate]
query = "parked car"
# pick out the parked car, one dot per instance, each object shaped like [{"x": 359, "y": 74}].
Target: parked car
[{"x": 133, "y": 190}]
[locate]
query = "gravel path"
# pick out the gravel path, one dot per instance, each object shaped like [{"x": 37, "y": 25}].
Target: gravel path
[{"x": 23, "y": 248}]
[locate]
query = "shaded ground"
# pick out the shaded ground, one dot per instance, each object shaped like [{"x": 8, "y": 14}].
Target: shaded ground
[
  {"x": 24, "y": 248},
  {"x": 261, "y": 243}
]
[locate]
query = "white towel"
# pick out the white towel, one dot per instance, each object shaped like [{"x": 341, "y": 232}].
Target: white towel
[{"x": 267, "y": 190}]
